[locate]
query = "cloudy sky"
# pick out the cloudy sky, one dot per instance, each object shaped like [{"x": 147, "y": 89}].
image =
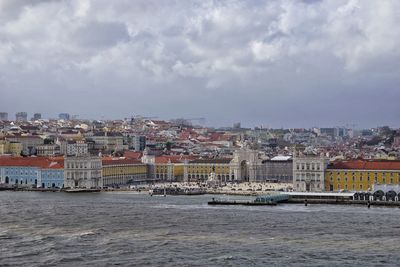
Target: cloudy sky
[{"x": 272, "y": 63}]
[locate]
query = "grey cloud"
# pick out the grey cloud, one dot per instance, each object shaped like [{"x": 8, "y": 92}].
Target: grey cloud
[
  {"x": 277, "y": 63},
  {"x": 100, "y": 34}
]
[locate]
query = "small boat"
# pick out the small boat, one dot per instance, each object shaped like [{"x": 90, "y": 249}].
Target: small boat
[
  {"x": 241, "y": 202},
  {"x": 268, "y": 200},
  {"x": 82, "y": 190},
  {"x": 177, "y": 191}
]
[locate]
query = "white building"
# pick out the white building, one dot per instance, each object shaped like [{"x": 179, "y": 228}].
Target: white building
[
  {"x": 308, "y": 172},
  {"x": 77, "y": 148},
  {"x": 83, "y": 172}
]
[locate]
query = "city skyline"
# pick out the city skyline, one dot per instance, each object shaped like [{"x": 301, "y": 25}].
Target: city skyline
[{"x": 277, "y": 64}]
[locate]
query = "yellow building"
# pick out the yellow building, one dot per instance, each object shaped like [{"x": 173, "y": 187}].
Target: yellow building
[
  {"x": 123, "y": 171},
  {"x": 200, "y": 169},
  {"x": 361, "y": 175},
  {"x": 176, "y": 168},
  {"x": 169, "y": 171},
  {"x": 13, "y": 148}
]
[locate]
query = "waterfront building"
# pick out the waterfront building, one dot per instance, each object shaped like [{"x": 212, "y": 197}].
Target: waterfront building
[
  {"x": 41, "y": 172},
  {"x": 278, "y": 169},
  {"x": 169, "y": 168},
  {"x": 308, "y": 172},
  {"x": 21, "y": 116},
  {"x": 122, "y": 171},
  {"x": 83, "y": 172},
  {"x": 245, "y": 166},
  {"x": 361, "y": 175},
  {"x": 3, "y": 116},
  {"x": 200, "y": 169},
  {"x": 52, "y": 175}
]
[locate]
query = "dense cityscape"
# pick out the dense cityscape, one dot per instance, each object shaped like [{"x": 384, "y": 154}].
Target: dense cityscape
[
  {"x": 69, "y": 153},
  {"x": 199, "y": 133}
]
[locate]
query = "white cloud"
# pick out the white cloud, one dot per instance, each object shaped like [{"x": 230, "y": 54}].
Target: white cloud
[{"x": 186, "y": 48}]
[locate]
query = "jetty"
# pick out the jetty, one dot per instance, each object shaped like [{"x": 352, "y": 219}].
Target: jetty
[{"x": 268, "y": 200}]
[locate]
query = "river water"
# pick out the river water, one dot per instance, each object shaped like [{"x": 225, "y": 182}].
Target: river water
[{"x": 127, "y": 229}]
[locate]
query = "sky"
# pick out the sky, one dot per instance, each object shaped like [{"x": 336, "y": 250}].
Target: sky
[{"x": 262, "y": 63}]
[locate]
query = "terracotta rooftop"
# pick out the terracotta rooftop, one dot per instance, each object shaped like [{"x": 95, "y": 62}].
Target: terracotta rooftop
[
  {"x": 39, "y": 162},
  {"x": 117, "y": 161},
  {"x": 133, "y": 154},
  {"x": 172, "y": 159},
  {"x": 366, "y": 165},
  {"x": 210, "y": 161}
]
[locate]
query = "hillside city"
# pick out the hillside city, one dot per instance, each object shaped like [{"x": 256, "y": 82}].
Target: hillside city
[{"x": 114, "y": 154}]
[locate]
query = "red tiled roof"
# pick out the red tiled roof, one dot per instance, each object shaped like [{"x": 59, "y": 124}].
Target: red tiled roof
[
  {"x": 132, "y": 154},
  {"x": 117, "y": 161},
  {"x": 173, "y": 159},
  {"x": 40, "y": 162},
  {"x": 366, "y": 165}
]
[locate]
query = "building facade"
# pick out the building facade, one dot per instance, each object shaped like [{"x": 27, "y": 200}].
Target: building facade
[
  {"x": 108, "y": 142},
  {"x": 29, "y": 143},
  {"x": 64, "y": 116},
  {"x": 200, "y": 169},
  {"x": 21, "y": 116},
  {"x": 76, "y": 148},
  {"x": 361, "y": 175},
  {"x": 37, "y": 116},
  {"x": 278, "y": 169},
  {"x": 139, "y": 142},
  {"x": 11, "y": 148},
  {"x": 50, "y": 150},
  {"x": 3, "y": 116},
  {"x": 43, "y": 172},
  {"x": 83, "y": 172},
  {"x": 308, "y": 172},
  {"x": 117, "y": 171}
]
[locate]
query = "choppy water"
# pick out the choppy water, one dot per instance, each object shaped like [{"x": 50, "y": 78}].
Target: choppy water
[{"x": 103, "y": 229}]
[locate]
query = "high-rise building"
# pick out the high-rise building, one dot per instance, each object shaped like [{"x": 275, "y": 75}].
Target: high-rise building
[
  {"x": 37, "y": 116},
  {"x": 3, "y": 116},
  {"x": 21, "y": 116},
  {"x": 139, "y": 142},
  {"x": 64, "y": 116}
]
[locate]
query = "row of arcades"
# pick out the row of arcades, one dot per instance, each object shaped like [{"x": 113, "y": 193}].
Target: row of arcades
[{"x": 378, "y": 195}]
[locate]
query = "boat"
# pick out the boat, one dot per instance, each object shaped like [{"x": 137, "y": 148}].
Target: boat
[
  {"x": 177, "y": 191},
  {"x": 82, "y": 190},
  {"x": 268, "y": 200},
  {"x": 241, "y": 202}
]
